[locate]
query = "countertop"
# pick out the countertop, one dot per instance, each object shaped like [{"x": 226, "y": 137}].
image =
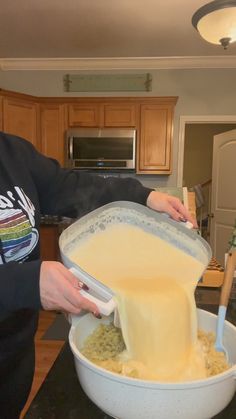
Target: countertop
[{"x": 61, "y": 396}]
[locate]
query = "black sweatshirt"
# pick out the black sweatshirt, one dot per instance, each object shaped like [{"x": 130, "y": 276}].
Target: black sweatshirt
[{"x": 32, "y": 185}]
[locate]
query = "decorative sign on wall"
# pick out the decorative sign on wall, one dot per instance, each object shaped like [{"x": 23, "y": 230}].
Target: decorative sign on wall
[{"x": 108, "y": 83}]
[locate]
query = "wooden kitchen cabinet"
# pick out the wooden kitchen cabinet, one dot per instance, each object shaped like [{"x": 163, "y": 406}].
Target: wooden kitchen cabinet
[
  {"x": 84, "y": 115},
  {"x": 151, "y": 117},
  {"x": 155, "y": 138},
  {"x": 44, "y": 121},
  {"x": 19, "y": 117},
  {"x": 120, "y": 115},
  {"x": 102, "y": 114},
  {"x": 52, "y": 128},
  {"x": 49, "y": 249},
  {"x": 1, "y": 113}
]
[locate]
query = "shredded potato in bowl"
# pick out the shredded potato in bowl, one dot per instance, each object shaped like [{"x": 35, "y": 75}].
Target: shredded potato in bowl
[
  {"x": 105, "y": 344},
  {"x": 215, "y": 361}
]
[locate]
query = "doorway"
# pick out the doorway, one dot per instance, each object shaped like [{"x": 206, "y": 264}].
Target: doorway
[{"x": 195, "y": 160}]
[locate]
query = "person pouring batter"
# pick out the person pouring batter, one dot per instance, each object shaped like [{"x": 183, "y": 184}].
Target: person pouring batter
[{"x": 33, "y": 185}]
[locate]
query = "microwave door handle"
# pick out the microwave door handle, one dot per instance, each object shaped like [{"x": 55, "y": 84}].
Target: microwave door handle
[{"x": 70, "y": 148}]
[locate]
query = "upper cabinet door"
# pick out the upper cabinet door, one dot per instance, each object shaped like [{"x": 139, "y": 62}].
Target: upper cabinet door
[
  {"x": 19, "y": 117},
  {"x": 154, "y": 146},
  {"x": 53, "y": 127},
  {"x": 119, "y": 115},
  {"x": 84, "y": 115}
]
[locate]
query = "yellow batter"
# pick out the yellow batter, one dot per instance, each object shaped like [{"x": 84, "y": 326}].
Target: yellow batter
[{"x": 154, "y": 284}]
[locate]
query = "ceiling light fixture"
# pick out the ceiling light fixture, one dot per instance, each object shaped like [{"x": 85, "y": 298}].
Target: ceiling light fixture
[{"x": 216, "y": 22}]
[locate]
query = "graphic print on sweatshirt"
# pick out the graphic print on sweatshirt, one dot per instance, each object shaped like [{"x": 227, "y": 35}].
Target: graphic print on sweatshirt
[{"x": 17, "y": 233}]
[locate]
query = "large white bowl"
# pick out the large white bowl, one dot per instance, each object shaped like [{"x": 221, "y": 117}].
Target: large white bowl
[{"x": 128, "y": 398}]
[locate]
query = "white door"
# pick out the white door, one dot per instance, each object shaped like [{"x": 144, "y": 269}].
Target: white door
[{"x": 223, "y": 205}]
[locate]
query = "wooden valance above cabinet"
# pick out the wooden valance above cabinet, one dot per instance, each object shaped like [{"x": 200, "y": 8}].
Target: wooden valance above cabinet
[{"x": 44, "y": 121}]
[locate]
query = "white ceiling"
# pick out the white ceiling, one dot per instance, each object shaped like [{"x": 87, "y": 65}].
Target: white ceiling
[{"x": 103, "y": 29}]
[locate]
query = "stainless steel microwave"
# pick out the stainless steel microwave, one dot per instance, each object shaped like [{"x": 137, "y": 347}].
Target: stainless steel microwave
[{"x": 101, "y": 148}]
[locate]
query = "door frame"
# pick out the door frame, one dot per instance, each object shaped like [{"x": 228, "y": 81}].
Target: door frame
[{"x": 196, "y": 119}]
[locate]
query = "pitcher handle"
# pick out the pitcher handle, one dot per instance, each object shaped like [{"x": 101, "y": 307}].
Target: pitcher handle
[{"x": 105, "y": 307}]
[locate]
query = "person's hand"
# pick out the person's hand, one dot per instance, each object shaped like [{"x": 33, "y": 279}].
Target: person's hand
[
  {"x": 59, "y": 290},
  {"x": 172, "y": 205}
]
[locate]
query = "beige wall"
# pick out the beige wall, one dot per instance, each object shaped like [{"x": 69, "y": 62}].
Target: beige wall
[{"x": 200, "y": 92}]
